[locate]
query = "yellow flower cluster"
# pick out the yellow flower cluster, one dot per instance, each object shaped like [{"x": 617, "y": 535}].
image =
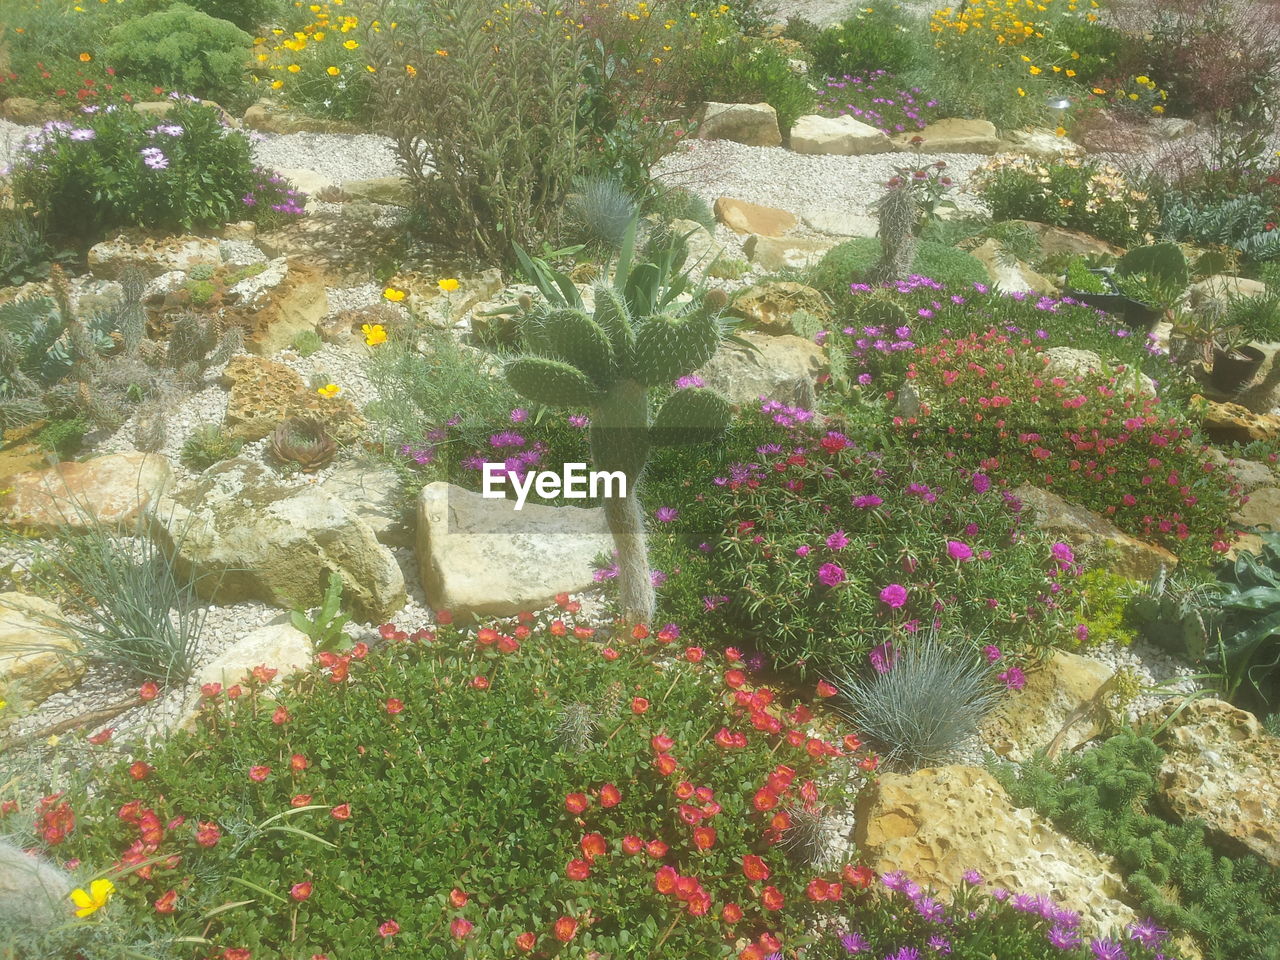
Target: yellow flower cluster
[
  {"x": 1009, "y": 21},
  {"x": 1144, "y": 93},
  {"x": 1107, "y": 182},
  {"x": 329, "y": 43}
]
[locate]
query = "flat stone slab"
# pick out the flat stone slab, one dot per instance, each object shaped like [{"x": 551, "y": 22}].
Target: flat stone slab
[
  {"x": 482, "y": 557},
  {"x": 108, "y": 490}
]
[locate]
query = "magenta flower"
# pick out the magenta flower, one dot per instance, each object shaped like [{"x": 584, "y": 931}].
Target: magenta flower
[
  {"x": 959, "y": 551},
  {"x": 666, "y": 514},
  {"x": 802, "y": 550},
  {"x": 883, "y": 657},
  {"x": 1062, "y": 552},
  {"x": 991, "y": 652},
  {"x": 981, "y": 482},
  {"x": 1013, "y": 678},
  {"x": 838, "y": 540},
  {"x": 831, "y": 574},
  {"x": 895, "y": 595}
]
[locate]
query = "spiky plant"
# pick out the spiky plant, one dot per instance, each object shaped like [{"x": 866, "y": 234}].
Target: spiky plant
[
  {"x": 637, "y": 338},
  {"x": 575, "y": 727},
  {"x": 303, "y": 441},
  {"x": 897, "y": 212},
  {"x": 931, "y": 700},
  {"x": 601, "y": 209},
  {"x": 813, "y": 836},
  {"x": 209, "y": 444}
]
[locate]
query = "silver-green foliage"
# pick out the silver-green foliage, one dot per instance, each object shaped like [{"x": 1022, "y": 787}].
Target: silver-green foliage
[{"x": 931, "y": 700}]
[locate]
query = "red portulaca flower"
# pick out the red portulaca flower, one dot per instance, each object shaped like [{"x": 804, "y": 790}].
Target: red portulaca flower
[
  {"x": 826, "y": 690},
  {"x": 704, "y": 838},
  {"x": 207, "y": 834},
  {"x": 753, "y": 868},
  {"x": 577, "y": 870},
  {"x": 734, "y": 678},
  {"x": 167, "y": 902},
  {"x": 139, "y": 770},
  {"x": 665, "y": 764},
  {"x": 458, "y": 898},
  {"x": 576, "y": 802},
  {"x": 610, "y": 795},
  {"x": 298, "y": 763},
  {"x": 301, "y": 800},
  {"x": 593, "y": 845},
  {"x": 301, "y": 891},
  {"x": 631, "y": 845},
  {"x": 280, "y": 717},
  {"x": 639, "y": 705},
  {"x": 731, "y": 913},
  {"x": 394, "y": 706},
  {"x": 566, "y": 928},
  {"x": 656, "y": 849},
  {"x": 259, "y": 774},
  {"x": 771, "y": 897},
  {"x": 460, "y": 928},
  {"x": 102, "y": 736},
  {"x": 661, "y": 743},
  {"x": 341, "y": 812},
  {"x": 664, "y": 881},
  {"x": 860, "y": 878},
  {"x": 480, "y": 683},
  {"x": 526, "y": 941},
  {"x": 388, "y": 928},
  {"x": 148, "y": 692}
]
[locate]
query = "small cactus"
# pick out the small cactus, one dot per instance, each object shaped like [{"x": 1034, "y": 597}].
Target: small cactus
[
  {"x": 897, "y": 212},
  {"x": 575, "y": 727},
  {"x": 812, "y": 838}
]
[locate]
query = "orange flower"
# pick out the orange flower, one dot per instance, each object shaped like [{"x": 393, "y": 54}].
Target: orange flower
[
  {"x": 771, "y": 898},
  {"x": 566, "y": 928},
  {"x": 753, "y": 868}
]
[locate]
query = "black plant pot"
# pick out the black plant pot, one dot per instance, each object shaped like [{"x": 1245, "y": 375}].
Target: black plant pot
[
  {"x": 1234, "y": 370},
  {"x": 1137, "y": 316}
]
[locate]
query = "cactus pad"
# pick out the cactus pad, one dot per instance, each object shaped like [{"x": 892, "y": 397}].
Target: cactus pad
[
  {"x": 667, "y": 348},
  {"x": 572, "y": 336},
  {"x": 697, "y": 415},
  {"x": 550, "y": 382}
]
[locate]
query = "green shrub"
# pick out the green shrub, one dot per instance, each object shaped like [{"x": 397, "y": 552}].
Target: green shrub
[
  {"x": 63, "y": 436},
  {"x": 493, "y": 821},
  {"x": 185, "y": 50},
  {"x": 116, "y": 168},
  {"x": 307, "y": 342},
  {"x": 1106, "y": 798},
  {"x": 852, "y": 261},
  {"x": 248, "y": 15},
  {"x": 789, "y": 537},
  {"x": 24, "y": 253},
  {"x": 489, "y": 135},
  {"x": 1104, "y": 603},
  {"x": 1080, "y": 195},
  {"x": 677, "y": 203},
  {"x": 874, "y": 38}
]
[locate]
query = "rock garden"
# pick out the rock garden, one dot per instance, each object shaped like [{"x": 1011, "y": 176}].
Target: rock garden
[{"x": 920, "y": 591}]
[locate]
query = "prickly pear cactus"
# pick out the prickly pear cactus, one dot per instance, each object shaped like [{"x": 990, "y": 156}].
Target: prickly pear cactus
[{"x": 608, "y": 361}]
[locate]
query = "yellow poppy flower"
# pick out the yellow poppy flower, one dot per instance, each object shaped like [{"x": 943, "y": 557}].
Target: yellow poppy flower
[
  {"x": 332, "y": 71},
  {"x": 1071, "y": 73},
  {"x": 408, "y": 68},
  {"x": 329, "y": 390},
  {"x": 374, "y": 333},
  {"x": 277, "y": 84},
  {"x": 394, "y": 294},
  {"x": 100, "y": 892},
  {"x": 1034, "y": 71},
  {"x": 1061, "y": 131},
  {"x": 350, "y": 44},
  {"x": 448, "y": 285},
  {"x": 293, "y": 68},
  {"x": 86, "y": 57}
]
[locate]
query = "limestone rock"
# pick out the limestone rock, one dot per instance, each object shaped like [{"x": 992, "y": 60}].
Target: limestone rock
[
  {"x": 743, "y": 217},
  {"x": 1056, "y": 241},
  {"x": 839, "y": 136},
  {"x": 273, "y": 118},
  {"x": 1249, "y": 473},
  {"x": 308, "y": 181},
  {"x": 35, "y": 661},
  {"x": 278, "y": 646},
  {"x": 445, "y": 309},
  {"x": 704, "y": 248},
  {"x": 768, "y": 307},
  {"x": 841, "y": 223},
  {"x": 1072, "y": 362},
  {"x": 28, "y": 112},
  {"x": 781, "y": 367},
  {"x": 1221, "y": 287},
  {"x": 953, "y": 136},
  {"x": 1082, "y": 528},
  {"x": 1221, "y": 767},
  {"x": 755, "y": 124},
  {"x": 246, "y": 535},
  {"x": 779, "y": 253},
  {"x": 110, "y": 490},
  {"x": 1058, "y": 692},
  {"x": 1040, "y": 143},
  {"x": 277, "y": 304},
  {"x": 392, "y": 191},
  {"x": 1010, "y": 276},
  {"x": 243, "y": 231},
  {"x": 1261, "y": 510},
  {"x": 110, "y": 258},
  {"x": 936, "y": 823},
  {"x": 482, "y": 557},
  {"x": 264, "y": 392},
  {"x": 373, "y": 493},
  {"x": 1232, "y": 423}
]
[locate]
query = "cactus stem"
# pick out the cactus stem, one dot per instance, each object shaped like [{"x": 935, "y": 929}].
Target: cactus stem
[{"x": 635, "y": 588}]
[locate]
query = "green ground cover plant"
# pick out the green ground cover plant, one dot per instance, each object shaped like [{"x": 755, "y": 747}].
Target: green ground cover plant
[
  {"x": 518, "y": 788},
  {"x": 1105, "y": 798}
]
